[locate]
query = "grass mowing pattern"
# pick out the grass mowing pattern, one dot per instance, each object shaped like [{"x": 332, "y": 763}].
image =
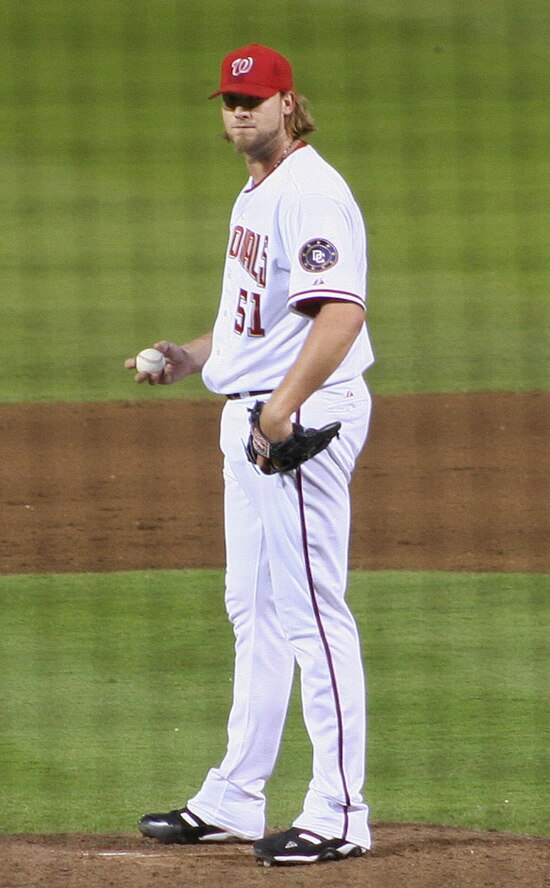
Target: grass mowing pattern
[
  {"x": 116, "y": 690},
  {"x": 116, "y": 187}
]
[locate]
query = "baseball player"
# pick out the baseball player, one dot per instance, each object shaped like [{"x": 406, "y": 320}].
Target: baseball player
[{"x": 288, "y": 351}]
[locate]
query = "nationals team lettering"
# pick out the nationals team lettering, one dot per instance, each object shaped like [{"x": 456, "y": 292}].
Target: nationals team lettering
[{"x": 245, "y": 247}]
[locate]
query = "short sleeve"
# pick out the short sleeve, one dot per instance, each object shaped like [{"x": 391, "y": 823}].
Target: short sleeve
[{"x": 325, "y": 242}]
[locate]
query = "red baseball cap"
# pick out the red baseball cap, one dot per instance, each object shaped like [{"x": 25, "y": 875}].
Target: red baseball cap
[{"x": 255, "y": 70}]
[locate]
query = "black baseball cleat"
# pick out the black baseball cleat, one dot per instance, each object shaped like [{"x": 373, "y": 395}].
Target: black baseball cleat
[
  {"x": 181, "y": 827},
  {"x": 302, "y": 846}
]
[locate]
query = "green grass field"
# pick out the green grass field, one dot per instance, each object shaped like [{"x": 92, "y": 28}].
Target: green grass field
[
  {"x": 110, "y": 705},
  {"x": 115, "y": 191},
  {"x": 116, "y": 187}
]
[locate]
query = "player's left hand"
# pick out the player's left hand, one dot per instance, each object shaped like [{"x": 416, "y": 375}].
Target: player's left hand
[
  {"x": 274, "y": 426},
  {"x": 286, "y": 454}
]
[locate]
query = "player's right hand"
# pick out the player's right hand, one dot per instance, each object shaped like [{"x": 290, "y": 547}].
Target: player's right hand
[{"x": 177, "y": 367}]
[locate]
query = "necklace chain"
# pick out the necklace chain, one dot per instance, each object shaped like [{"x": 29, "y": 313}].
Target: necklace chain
[{"x": 285, "y": 154}]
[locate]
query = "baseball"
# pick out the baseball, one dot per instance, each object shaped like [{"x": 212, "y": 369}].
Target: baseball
[{"x": 150, "y": 360}]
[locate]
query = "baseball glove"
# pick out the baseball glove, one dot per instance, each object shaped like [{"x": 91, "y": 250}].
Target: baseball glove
[{"x": 284, "y": 456}]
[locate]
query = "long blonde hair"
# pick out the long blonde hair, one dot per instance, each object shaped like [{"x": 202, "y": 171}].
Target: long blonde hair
[{"x": 300, "y": 122}]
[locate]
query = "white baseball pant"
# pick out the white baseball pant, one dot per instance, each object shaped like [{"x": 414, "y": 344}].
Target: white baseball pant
[{"x": 287, "y": 540}]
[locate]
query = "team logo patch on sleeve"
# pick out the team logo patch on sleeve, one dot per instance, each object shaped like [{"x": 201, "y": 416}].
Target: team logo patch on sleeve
[{"x": 318, "y": 255}]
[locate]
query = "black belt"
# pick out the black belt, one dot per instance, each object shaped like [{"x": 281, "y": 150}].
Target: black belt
[{"x": 238, "y": 395}]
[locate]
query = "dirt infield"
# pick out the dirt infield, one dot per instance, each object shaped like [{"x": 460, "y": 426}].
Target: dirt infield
[
  {"x": 407, "y": 855},
  {"x": 446, "y": 483}
]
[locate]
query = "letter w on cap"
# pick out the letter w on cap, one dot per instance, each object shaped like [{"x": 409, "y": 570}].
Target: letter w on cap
[{"x": 242, "y": 66}]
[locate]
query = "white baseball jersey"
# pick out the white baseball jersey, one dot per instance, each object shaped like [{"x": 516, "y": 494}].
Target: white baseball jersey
[{"x": 296, "y": 237}]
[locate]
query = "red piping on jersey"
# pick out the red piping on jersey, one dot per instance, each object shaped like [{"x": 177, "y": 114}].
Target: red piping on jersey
[
  {"x": 325, "y": 294},
  {"x": 301, "y": 144}
]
